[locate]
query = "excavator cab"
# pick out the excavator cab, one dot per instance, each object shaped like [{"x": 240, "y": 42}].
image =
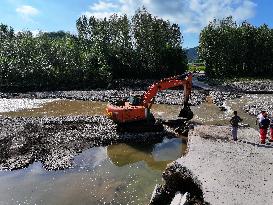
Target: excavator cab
[{"x": 135, "y": 100}]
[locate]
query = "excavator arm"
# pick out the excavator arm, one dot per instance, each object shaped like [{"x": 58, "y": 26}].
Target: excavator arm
[{"x": 185, "y": 80}]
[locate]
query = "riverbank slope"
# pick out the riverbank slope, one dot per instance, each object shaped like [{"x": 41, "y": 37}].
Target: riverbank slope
[{"x": 229, "y": 172}]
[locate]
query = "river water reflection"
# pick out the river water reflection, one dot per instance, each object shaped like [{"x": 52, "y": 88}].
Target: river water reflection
[{"x": 117, "y": 174}]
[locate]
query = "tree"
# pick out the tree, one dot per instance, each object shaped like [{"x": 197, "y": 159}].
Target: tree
[
  {"x": 236, "y": 50},
  {"x": 115, "y": 47},
  {"x": 146, "y": 45},
  {"x": 154, "y": 40}
]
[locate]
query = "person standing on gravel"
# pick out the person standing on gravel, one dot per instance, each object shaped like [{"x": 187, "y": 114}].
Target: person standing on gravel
[
  {"x": 260, "y": 117},
  {"x": 271, "y": 128},
  {"x": 234, "y": 121},
  {"x": 265, "y": 122}
]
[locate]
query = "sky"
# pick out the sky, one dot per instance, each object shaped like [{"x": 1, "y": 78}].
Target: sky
[{"x": 191, "y": 15}]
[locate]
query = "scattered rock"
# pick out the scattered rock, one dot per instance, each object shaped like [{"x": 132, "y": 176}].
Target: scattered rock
[
  {"x": 218, "y": 97},
  {"x": 56, "y": 140},
  {"x": 253, "y": 86},
  {"x": 259, "y": 103},
  {"x": 172, "y": 97}
]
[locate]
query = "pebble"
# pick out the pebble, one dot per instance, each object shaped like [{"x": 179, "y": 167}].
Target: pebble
[
  {"x": 259, "y": 103},
  {"x": 56, "y": 140},
  {"x": 172, "y": 97},
  {"x": 254, "y": 86}
]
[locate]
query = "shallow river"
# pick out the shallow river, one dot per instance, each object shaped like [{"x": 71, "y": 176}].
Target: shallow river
[{"x": 116, "y": 174}]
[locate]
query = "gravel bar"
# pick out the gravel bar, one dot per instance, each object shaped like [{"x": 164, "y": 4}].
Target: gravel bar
[
  {"x": 172, "y": 97},
  {"x": 56, "y": 140}
]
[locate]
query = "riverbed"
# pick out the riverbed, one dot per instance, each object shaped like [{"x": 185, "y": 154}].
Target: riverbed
[{"x": 114, "y": 174}]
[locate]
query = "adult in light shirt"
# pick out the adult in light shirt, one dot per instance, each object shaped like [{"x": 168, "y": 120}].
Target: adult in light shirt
[{"x": 260, "y": 117}]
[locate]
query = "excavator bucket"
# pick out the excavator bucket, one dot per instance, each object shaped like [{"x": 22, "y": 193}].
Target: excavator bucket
[{"x": 186, "y": 112}]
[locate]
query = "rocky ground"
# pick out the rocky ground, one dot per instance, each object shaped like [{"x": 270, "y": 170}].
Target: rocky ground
[
  {"x": 223, "y": 172},
  {"x": 219, "y": 97},
  {"x": 173, "y": 97},
  {"x": 11, "y": 105},
  {"x": 259, "y": 103},
  {"x": 121, "y": 89},
  {"x": 253, "y": 86},
  {"x": 230, "y": 90},
  {"x": 55, "y": 141},
  {"x": 247, "y": 86}
]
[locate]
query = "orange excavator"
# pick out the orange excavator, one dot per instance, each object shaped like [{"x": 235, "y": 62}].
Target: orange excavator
[{"x": 135, "y": 114}]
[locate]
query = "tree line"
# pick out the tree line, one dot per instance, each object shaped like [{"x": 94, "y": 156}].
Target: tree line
[
  {"x": 102, "y": 50},
  {"x": 231, "y": 50}
]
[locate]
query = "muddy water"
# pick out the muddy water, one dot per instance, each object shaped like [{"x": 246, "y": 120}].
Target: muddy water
[
  {"x": 60, "y": 108},
  {"x": 117, "y": 174},
  {"x": 238, "y": 105},
  {"x": 206, "y": 113},
  {"x": 209, "y": 114}
]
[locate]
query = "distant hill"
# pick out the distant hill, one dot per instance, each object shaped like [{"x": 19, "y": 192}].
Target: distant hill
[{"x": 192, "y": 54}]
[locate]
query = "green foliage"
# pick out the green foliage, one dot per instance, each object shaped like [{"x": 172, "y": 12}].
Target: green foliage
[
  {"x": 117, "y": 47},
  {"x": 232, "y": 50},
  {"x": 196, "y": 67},
  {"x": 158, "y": 46},
  {"x": 146, "y": 46}
]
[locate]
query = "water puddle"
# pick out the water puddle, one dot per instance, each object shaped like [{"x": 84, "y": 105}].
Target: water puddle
[
  {"x": 58, "y": 108},
  {"x": 238, "y": 104},
  {"x": 117, "y": 174},
  {"x": 209, "y": 114}
]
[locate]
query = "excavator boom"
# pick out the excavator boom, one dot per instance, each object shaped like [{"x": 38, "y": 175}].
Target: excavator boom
[{"x": 185, "y": 80}]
